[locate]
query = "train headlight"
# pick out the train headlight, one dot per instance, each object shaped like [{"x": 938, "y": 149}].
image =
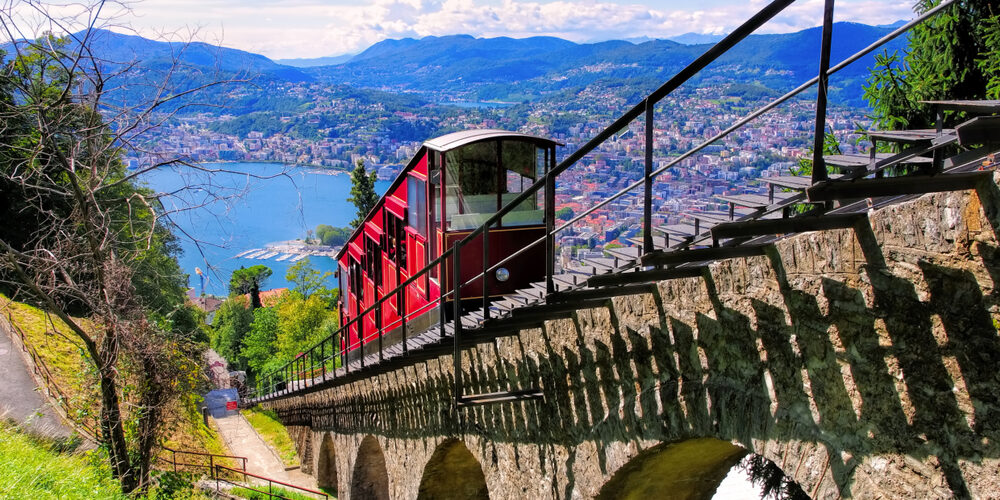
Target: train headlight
[{"x": 503, "y": 274}]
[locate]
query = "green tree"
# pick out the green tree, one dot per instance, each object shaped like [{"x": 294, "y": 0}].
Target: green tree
[
  {"x": 231, "y": 324},
  {"x": 363, "y": 194},
  {"x": 80, "y": 237},
  {"x": 249, "y": 280},
  {"x": 332, "y": 236},
  {"x": 310, "y": 281},
  {"x": 260, "y": 345},
  {"x": 565, "y": 213},
  {"x": 300, "y": 323},
  {"x": 951, "y": 56}
]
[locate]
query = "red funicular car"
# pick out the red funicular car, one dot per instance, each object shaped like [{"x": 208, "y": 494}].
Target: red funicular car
[{"x": 450, "y": 187}]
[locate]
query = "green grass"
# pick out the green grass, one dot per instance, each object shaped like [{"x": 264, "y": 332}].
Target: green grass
[
  {"x": 280, "y": 492},
  {"x": 269, "y": 428},
  {"x": 35, "y": 468}
]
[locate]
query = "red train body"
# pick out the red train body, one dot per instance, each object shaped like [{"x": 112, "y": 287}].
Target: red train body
[{"x": 450, "y": 187}]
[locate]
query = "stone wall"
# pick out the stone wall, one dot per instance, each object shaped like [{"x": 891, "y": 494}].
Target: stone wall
[{"x": 864, "y": 362}]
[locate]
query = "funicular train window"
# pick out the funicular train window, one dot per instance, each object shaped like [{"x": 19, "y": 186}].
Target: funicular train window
[
  {"x": 342, "y": 279},
  {"x": 389, "y": 236},
  {"x": 355, "y": 281},
  {"x": 521, "y": 170},
  {"x": 394, "y": 238},
  {"x": 470, "y": 185},
  {"x": 401, "y": 240},
  {"x": 373, "y": 263},
  {"x": 416, "y": 198}
]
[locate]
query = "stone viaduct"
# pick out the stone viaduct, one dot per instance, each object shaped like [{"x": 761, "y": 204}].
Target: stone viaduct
[{"x": 863, "y": 362}]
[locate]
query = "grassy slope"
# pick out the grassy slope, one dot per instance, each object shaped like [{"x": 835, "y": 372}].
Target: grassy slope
[
  {"x": 62, "y": 353},
  {"x": 274, "y": 434},
  {"x": 30, "y": 468}
]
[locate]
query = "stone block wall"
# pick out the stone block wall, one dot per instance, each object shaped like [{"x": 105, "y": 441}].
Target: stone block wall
[{"x": 864, "y": 362}]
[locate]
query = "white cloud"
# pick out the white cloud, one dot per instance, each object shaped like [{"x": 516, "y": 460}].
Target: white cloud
[{"x": 313, "y": 28}]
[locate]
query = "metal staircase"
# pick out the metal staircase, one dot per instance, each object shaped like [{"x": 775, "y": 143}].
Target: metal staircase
[{"x": 839, "y": 193}]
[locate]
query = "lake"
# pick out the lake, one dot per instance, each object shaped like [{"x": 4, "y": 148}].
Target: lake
[{"x": 256, "y": 212}]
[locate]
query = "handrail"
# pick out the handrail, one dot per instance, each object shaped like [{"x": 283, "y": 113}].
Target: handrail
[
  {"x": 211, "y": 459},
  {"x": 203, "y": 454},
  {"x": 547, "y": 182},
  {"x": 270, "y": 493}
]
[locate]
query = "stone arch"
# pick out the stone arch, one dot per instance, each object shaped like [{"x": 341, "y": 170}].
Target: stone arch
[
  {"x": 301, "y": 437},
  {"x": 453, "y": 473},
  {"x": 689, "y": 470},
  {"x": 370, "y": 479},
  {"x": 326, "y": 465}
]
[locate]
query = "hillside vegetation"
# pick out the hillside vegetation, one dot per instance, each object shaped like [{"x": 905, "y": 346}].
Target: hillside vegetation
[
  {"x": 72, "y": 372},
  {"x": 35, "y": 468}
]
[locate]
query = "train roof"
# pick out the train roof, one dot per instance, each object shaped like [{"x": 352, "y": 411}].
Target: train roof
[
  {"x": 443, "y": 143},
  {"x": 454, "y": 140}
]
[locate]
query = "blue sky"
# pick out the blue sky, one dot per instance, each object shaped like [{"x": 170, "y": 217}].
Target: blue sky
[{"x": 314, "y": 28}]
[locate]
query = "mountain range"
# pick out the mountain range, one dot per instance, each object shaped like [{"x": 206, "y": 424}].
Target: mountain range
[
  {"x": 778, "y": 61},
  {"x": 505, "y": 68}
]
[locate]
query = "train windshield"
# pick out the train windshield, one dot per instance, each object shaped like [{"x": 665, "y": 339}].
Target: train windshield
[{"x": 484, "y": 176}]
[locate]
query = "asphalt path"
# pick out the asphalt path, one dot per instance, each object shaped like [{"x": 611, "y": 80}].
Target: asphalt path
[
  {"x": 242, "y": 440},
  {"x": 21, "y": 401}
]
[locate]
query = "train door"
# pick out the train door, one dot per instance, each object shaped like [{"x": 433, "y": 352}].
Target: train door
[
  {"x": 343, "y": 278},
  {"x": 394, "y": 258},
  {"x": 356, "y": 303},
  {"x": 416, "y": 236},
  {"x": 373, "y": 280}
]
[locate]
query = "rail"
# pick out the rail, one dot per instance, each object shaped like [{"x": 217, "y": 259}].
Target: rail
[
  {"x": 211, "y": 460},
  {"x": 221, "y": 469},
  {"x": 300, "y": 373}
]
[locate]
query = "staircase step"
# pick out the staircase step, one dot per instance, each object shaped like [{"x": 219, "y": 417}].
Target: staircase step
[
  {"x": 601, "y": 264},
  {"x": 714, "y": 216},
  {"x": 979, "y": 130},
  {"x": 627, "y": 254},
  {"x": 754, "y": 201},
  {"x": 658, "y": 241},
  {"x": 905, "y": 136},
  {"x": 799, "y": 182},
  {"x": 864, "y": 160},
  {"x": 969, "y": 106}
]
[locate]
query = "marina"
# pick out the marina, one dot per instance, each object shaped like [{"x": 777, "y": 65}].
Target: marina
[
  {"x": 246, "y": 252},
  {"x": 288, "y": 251}
]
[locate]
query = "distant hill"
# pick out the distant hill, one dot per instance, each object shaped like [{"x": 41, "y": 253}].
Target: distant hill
[
  {"x": 695, "y": 38},
  {"x": 315, "y": 61},
  {"x": 119, "y": 49},
  {"x": 509, "y": 69},
  {"x": 501, "y": 67}
]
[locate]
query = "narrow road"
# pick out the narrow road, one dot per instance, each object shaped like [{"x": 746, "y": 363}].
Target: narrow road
[
  {"x": 243, "y": 440},
  {"x": 20, "y": 399}
]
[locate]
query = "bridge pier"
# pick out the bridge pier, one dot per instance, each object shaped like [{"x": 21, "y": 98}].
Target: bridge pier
[{"x": 862, "y": 362}]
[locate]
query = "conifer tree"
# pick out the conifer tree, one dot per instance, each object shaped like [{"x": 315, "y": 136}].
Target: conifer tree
[
  {"x": 951, "y": 56},
  {"x": 363, "y": 194}
]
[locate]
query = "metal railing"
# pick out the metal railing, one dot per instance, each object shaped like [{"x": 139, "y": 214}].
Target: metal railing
[
  {"x": 292, "y": 377},
  {"x": 220, "y": 471},
  {"x": 212, "y": 457}
]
